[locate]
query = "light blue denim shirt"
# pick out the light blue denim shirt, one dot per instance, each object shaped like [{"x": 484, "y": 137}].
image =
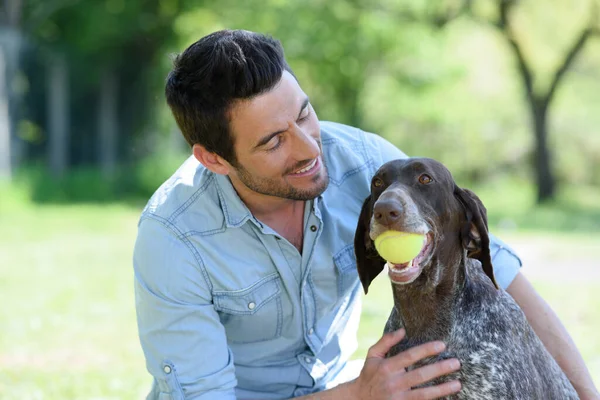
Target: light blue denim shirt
[{"x": 227, "y": 308}]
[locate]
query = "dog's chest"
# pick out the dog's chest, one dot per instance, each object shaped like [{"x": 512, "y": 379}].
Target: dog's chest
[{"x": 501, "y": 358}]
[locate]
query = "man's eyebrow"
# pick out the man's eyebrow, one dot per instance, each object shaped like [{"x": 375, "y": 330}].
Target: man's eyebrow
[{"x": 264, "y": 140}]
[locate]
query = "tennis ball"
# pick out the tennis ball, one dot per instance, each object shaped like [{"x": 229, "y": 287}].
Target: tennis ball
[{"x": 399, "y": 247}]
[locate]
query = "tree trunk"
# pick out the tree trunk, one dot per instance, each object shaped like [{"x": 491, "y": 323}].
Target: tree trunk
[
  {"x": 108, "y": 123},
  {"x": 545, "y": 179},
  {"x": 5, "y": 125},
  {"x": 10, "y": 48},
  {"x": 58, "y": 115}
]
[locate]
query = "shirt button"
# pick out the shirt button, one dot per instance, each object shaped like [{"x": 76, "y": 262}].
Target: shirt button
[
  {"x": 167, "y": 369},
  {"x": 251, "y": 305},
  {"x": 313, "y": 228},
  {"x": 311, "y": 331},
  {"x": 308, "y": 360}
]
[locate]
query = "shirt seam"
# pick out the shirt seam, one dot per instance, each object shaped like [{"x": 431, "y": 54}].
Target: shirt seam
[
  {"x": 370, "y": 161},
  {"x": 189, "y": 201},
  {"x": 500, "y": 248},
  {"x": 184, "y": 239}
]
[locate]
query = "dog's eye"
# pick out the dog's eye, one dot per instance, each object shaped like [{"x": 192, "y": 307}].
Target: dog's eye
[
  {"x": 425, "y": 179},
  {"x": 377, "y": 182}
]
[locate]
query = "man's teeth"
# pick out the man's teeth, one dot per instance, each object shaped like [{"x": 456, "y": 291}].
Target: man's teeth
[{"x": 312, "y": 164}]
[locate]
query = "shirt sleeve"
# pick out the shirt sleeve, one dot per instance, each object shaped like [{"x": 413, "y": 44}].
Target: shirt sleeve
[
  {"x": 505, "y": 261},
  {"x": 184, "y": 343}
]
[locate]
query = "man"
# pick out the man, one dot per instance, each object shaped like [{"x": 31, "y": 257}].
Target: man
[{"x": 245, "y": 275}]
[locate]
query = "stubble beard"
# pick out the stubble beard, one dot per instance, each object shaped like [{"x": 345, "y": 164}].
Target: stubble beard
[{"x": 271, "y": 187}]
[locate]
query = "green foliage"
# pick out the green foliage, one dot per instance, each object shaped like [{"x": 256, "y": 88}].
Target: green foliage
[
  {"x": 78, "y": 185},
  {"x": 134, "y": 183},
  {"x": 453, "y": 94}
]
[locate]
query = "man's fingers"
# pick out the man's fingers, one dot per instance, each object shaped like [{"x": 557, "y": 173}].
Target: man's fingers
[
  {"x": 414, "y": 354},
  {"x": 383, "y": 345},
  {"x": 434, "y": 392},
  {"x": 429, "y": 372}
]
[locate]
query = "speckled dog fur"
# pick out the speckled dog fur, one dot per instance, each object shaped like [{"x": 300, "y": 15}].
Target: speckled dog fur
[{"x": 455, "y": 298}]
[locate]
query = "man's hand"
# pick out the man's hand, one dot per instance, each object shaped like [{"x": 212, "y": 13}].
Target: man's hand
[{"x": 386, "y": 378}]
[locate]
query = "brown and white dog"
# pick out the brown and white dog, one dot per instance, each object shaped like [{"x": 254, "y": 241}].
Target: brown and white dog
[{"x": 448, "y": 292}]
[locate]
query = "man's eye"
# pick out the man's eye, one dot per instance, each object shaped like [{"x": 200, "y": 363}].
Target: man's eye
[
  {"x": 425, "y": 179},
  {"x": 276, "y": 142},
  {"x": 305, "y": 113},
  {"x": 377, "y": 182}
]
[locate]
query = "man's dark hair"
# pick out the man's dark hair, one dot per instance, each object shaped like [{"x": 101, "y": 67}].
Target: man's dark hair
[{"x": 211, "y": 74}]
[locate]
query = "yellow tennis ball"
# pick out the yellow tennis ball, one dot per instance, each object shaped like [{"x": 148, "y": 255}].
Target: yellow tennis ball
[{"x": 399, "y": 247}]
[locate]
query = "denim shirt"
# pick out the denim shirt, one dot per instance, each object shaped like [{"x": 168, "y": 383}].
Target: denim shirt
[{"x": 227, "y": 308}]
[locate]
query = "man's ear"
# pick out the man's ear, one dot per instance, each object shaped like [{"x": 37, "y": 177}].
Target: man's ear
[{"x": 210, "y": 160}]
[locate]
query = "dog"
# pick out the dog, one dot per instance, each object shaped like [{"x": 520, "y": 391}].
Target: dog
[{"x": 449, "y": 292}]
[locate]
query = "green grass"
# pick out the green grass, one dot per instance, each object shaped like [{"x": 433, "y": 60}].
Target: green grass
[
  {"x": 68, "y": 318},
  {"x": 511, "y": 205}
]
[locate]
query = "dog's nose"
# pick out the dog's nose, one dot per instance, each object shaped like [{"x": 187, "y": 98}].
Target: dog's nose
[{"x": 387, "y": 212}]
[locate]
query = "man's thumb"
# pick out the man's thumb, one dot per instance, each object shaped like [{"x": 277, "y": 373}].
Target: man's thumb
[{"x": 387, "y": 341}]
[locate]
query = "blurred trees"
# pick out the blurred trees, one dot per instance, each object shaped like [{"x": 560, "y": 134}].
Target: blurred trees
[
  {"x": 539, "y": 99},
  {"x": 504, "y": 15},
  {"x": 87, "y": 84},
  {"x": 10, "y": 43},
  {"x": 94, "y": 64}
]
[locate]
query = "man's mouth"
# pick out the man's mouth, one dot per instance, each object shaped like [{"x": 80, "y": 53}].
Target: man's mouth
[
  {"x": 308, "y": 169},
  {"x": 405, "y": 273}
]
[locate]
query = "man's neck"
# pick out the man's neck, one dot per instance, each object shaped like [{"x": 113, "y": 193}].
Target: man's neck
[
  {"x": 284, "y": 216},
  {"x": 262, "y": 205}
]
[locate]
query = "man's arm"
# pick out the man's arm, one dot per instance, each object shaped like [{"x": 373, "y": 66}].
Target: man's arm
[
  {"x": 385, "y": 378},
  {"x": 555, "y": 337},
  {"x": 180, "y": 332}
]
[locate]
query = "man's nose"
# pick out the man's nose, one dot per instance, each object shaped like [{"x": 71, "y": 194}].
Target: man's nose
[
  {"x": 387, "y": 212},
  {"x": 306, "y": 146}
]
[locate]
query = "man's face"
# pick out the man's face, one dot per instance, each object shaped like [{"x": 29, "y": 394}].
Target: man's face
[{"x": 278, "y": 143}]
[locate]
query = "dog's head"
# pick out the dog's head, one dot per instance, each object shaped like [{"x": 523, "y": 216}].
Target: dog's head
[{"x": 419, "y": 195}]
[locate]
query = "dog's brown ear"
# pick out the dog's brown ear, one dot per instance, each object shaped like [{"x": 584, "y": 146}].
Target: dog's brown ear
[
  {"x": 368, "y": 262},
  {"x": 474, "y": 233}
]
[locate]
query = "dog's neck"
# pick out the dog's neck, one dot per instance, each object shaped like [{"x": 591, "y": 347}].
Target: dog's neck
[{"x": 426, "y": 305}]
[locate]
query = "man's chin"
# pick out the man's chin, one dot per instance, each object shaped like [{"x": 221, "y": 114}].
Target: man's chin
[{"x": 308, "y": 194}]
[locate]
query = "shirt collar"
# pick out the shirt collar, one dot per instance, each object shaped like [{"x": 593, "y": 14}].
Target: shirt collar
[
  {"x": 234, "y": 209},
  {"x": 236, "y": 212}
]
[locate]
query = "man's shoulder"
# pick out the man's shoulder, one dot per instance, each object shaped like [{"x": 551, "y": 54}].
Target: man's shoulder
[
  {"x": 335, "y": 130},
  {"x": 333, "y": 133},
  {"x": 349, "y": 150},
  {"x": 190, "y": 184}
]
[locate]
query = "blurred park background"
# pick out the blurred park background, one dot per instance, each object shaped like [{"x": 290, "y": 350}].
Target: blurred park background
[{"x": 506, "y": 93}]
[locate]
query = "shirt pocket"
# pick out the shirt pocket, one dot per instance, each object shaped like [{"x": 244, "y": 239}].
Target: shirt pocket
[
  {"x": 253, "y": 314},
  {"x": 345, "y": 263}
]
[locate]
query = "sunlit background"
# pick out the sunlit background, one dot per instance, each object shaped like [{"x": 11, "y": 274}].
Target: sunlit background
[{"x": 505, "y": 93}]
